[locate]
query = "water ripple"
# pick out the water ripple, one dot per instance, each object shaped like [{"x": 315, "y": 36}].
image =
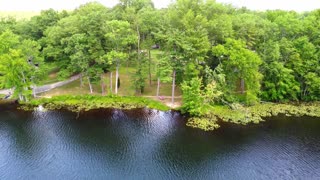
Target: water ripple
[{"x": 150, "y": 144}]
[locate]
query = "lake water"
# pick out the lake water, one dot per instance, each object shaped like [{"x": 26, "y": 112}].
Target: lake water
[{"x": 147, "y": 144}]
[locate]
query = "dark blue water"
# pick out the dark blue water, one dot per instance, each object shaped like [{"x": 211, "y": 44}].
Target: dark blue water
[{"x": 145, "y": 144}]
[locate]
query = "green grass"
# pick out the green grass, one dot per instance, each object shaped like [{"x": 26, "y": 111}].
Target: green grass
[
  {"x": 73, "y": 88},
  {"x": 156, "y": 52},
  {"x": 90, "y": 102},
  {"x": 126, "y": 83},
  {"x": 52, "y": 77},
  {"x": 126, "y": 86},
  {"x": 52, "y": 70}
]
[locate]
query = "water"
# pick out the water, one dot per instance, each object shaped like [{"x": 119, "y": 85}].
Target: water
[{"x": 145, "y": 144}]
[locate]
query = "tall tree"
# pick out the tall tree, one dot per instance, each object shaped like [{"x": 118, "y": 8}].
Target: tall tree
[
  {"x": 120, "y": 35},
  {"x": 20, "y": 65},
  {"x": 240, "y": 65},
  {"x": 164, "y": 70}
]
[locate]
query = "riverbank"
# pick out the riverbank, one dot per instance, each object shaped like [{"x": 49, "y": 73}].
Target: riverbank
[
  {"x": 252, "y": 114},
  {"x": 214, "y": 115},
  {"x": 90, "y": 102}
]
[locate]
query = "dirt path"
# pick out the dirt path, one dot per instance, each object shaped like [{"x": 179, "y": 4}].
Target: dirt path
[
  {"x": 48, "y": 87},
  {"x": 45, "y": 88},
  {"x": 5, "y": 91},
  {"x": 167, "y": 100}
]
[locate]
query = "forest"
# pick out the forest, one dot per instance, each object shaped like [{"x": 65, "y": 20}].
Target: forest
[{"x": 215, "y": 53}]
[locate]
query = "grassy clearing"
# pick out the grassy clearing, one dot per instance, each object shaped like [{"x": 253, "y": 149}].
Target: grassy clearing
[
  {"x": 51, "y": 78},
  {"x": 126, "y": 86},
  {"x": 72, "y": 88},
  {"x": 126, "y": 83},
  {"x": 52, "y": 70}
]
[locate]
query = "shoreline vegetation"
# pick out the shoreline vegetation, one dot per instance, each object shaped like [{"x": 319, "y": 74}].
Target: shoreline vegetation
[
  {"x": 251, "y": 114},
  {"x": 90, "y": 102},
  {"x": 236, "y": 114}
]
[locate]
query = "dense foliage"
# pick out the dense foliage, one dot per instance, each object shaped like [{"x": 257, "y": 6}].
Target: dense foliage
[{"x": 216, "y": 53}]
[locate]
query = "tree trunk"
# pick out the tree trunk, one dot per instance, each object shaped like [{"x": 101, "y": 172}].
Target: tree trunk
[
  {"x": 102, "y": 85},
  {"x": 305, "y": 91},
  {"x": 117, "y": 76},
  {"x": 138, "y": 33},
  {"x": 158, "y": 87},
  {"x": 173, "y": 86},
  {"x": 20, "y": 97},
  {"x": 242, "y": 85},
  {"x": 149, "y": 52},
  {"x": 139, "y": 63},
  {"x": 25, "y": 88},
  {"x": 90, "y": 86},
  {"x": 34, "y": 91},
  {"x": 111, "y": 82}
]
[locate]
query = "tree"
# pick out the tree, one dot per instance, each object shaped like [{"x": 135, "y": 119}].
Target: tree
[
  {"x": 120, "y": 36},
  {"x": 77, "y": 47},
  {"x": 78, "y": 41},
  {"x": 140, "y": 75},
  {"x": 250, "y": 28},
  {"x": 240, "y": 65},
  {"x": 306, "y": 66},
  {"x": 164, "y": 70},
  {"x": 278, "y": 83},
  {"x": 35, "y": 27},
  {"x": 149, "y": 24},
  {"x": 20, "y": 65},
  {"x": 7, "y": 23},
  {"x": 193, "y": 99},
  {"x": 196, "y": 97},
  {"x": 186, "y": 37}
]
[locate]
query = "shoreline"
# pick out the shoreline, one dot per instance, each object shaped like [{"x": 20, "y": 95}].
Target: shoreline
[
  {"x": 210, "y": 121},
  {"x": 91, "y": 102},
  {"x": 251, "y": 114}
]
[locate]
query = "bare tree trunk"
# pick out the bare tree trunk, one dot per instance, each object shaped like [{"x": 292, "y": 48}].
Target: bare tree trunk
[
  {"x": 102, "y": 85},
  {"x": 90, "y": 86},
  {"x": 25, "y": 97},
  {"x": 25, "y": 88},
  {"x": 138, "y": 33},
  {"x": 173, "y": 86},
  {"x": 34, "y": 90},
  {"x": 111, "y": 82},
  {"x": 138, "y": 46},
  {"x": 158, "y": 87},
  {"x": 149, "y": 67},
  {"x": 305, "y": 91},
  {"x": 20, "y": 97},
  {"x": 117, "y": 76},
  {"x": 242, "y": 85}
]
